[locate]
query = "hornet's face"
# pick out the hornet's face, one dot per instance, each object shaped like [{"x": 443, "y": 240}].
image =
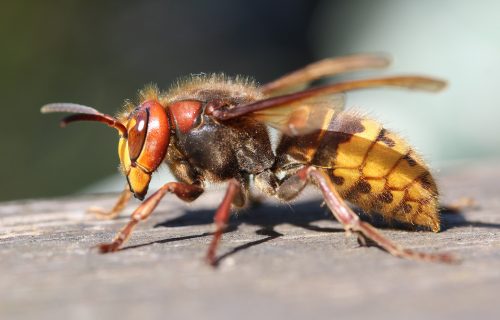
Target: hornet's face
[{"x": 144, "y": 146}]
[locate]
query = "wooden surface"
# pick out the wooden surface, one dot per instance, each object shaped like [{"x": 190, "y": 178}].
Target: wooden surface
[{"x": 277, "y": 262}]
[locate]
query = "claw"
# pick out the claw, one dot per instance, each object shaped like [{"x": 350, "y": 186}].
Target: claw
[
  {"x": 211, "y": 260},
  {"x": 108, "y": 247}
]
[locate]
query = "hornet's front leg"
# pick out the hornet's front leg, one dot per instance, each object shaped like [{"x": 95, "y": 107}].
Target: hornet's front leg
[
  {"x": 186, "y": 192},
  {"x": 116, "y": 210}
]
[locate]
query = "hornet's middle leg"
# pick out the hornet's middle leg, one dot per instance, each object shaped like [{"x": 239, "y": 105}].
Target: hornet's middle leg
[{"x": 221, "y": 218}]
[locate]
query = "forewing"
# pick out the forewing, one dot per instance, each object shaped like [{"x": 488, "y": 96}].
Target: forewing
[
  {"x": 302, "y": 116},
  {"x": 300, "y": 79},
  {"x": 285, "y": 111}
]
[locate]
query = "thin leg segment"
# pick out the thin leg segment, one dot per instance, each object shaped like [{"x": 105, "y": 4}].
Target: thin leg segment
[
  {"x": 116, "y": 210},
  {"x": 459, "y": 205},
  {"x": 352, "y": 223},
  {"x": 221, "y": 218},
  {"x": 186, "y": 192}
]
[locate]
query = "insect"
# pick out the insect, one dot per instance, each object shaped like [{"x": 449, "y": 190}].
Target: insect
[{"x": 214, "y": 129}]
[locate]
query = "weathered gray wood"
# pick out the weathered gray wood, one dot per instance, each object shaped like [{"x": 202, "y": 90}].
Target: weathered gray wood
[{"x": 278, "y": 262}]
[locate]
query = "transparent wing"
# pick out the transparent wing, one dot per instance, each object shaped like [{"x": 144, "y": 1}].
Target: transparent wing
[
  {"x": 300, "y": 79},
  {"x": 303, "y": 116},
  {"x": 303, "y": 111}
]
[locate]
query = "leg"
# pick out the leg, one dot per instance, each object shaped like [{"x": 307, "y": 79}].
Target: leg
[
  {"x": 352, "y": 223},
  {"x": 459, "y": 205},
  {"x": 116, "y": 210},
  {"x": 221, "y": 218},
  {"x": 186, "y": 192}
]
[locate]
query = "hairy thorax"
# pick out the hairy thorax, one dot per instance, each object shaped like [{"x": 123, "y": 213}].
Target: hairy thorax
[{"x": 214, "y": 151}]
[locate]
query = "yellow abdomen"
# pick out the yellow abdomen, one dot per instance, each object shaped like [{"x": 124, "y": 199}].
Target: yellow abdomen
[{"x": 378, "y": 171}]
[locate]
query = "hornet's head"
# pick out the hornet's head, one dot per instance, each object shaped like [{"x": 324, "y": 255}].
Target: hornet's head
[
  {"x": 142, "y": 150},
  {"x": 144, "y": 138}
]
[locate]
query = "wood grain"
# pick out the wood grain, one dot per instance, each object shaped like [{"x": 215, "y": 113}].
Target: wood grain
[{"x": 276, "y": 262}]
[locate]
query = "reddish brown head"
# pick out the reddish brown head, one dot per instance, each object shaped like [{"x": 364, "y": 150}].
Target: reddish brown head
[
  {"x": 143, "y": 149},
  {"x": 144, "y": 138}
]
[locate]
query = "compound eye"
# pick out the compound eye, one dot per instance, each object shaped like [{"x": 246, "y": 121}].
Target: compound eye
[{"x": 138, "y": 128}]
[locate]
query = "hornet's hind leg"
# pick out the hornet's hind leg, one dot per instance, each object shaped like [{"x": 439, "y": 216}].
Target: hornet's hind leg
[
  {"x": 459, "y": 205},
  {"x": 352, "y": 223},
  {"x": 291, "y": 186}
]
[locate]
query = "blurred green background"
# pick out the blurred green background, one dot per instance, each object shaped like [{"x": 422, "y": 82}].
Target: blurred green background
[{"x": 101, "y": 53}]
